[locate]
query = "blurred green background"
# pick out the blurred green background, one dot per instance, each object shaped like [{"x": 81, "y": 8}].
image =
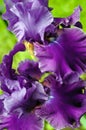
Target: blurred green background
[{"x": 61, "y": 8}]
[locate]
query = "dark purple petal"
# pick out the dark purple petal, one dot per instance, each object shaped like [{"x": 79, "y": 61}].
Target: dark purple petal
[
  {"x": 50, "y": 34},
  {"x": 78, "y": 24},
  {"x": 18, "y": 47},
  {"x": 6, "y": 65},
  {"x": 66, "y": 104},
  {"x": 71, "y": 20},
  {"x": 65, "y": 55},
  {"x": 44, "y": 2},
  {"x": 74, "y": 43},
  {"x": 1, "y": 106},
  {"x": 34, "y": 97},
  {"x": 29, "y": 68},
  {"x": 27, "y": 121}
]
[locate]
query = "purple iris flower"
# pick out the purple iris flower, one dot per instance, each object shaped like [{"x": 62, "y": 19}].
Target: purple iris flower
[
  {"x": 26, "y": 101},
  {"x": 27, "y": 18},
  {"x": 64, "y": 55},
  {"x": 22, "y": 93},
  {"x": 56, "y": 28},
  {"x": 66, "y": 104}
]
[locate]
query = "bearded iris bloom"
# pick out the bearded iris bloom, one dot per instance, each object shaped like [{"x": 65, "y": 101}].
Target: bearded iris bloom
[
  {"x": 22, "y": 93},
  {"x": 64, "y": 55},
  {"x": 66, "y": 104},
  {"x": 28, "y": 24},
  {"x": 66, "y": 48},
  {"x": 27, "y": 102},
  {"x": 59, "y": 46}
]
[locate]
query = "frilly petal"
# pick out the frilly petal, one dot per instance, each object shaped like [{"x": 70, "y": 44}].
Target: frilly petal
[
  {"x": 65, "y": 55},
  {"x": 67, "y": 103},
  {"x": 70, "y": 20}
]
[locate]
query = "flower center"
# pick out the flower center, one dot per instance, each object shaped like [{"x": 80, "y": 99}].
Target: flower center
[{"x": 30, "y": 48}]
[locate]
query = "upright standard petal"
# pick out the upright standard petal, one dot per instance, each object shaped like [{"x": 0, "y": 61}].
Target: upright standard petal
[
  {"x": 65, "y": 55},
  {"x": 70, "y": 20},
  {"x": 10, "y": 3},
  {"x": 27, "y": 22}
]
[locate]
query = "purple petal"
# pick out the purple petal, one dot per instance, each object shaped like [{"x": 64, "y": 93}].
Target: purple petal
[
  {"x": 71, "y": 20},
  {"x": 75, "y": 47},
  {"x": 14, "y": 100},
  {"x": 8, "y": 85},
  {"x": 19, "y": 108},
  {"x": 29, "y": 68},
  {"x": 6, "y": 65},
  {"x": 52, "y": 59},
  {"x": 10, "y": 3},
  {"x": 28, "y": 22},
  {"x": 44, "y": 2},
  {"x": 23, "y": 122},
  {"x": 66, "y": 104},
  {"x": 1, "y": 106},
  {"x": 65, "y": 55},
  {"x": 39, "y": 93},
  {"x": 24, "y": 97},
  {"x": 17, "y": 48}
]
